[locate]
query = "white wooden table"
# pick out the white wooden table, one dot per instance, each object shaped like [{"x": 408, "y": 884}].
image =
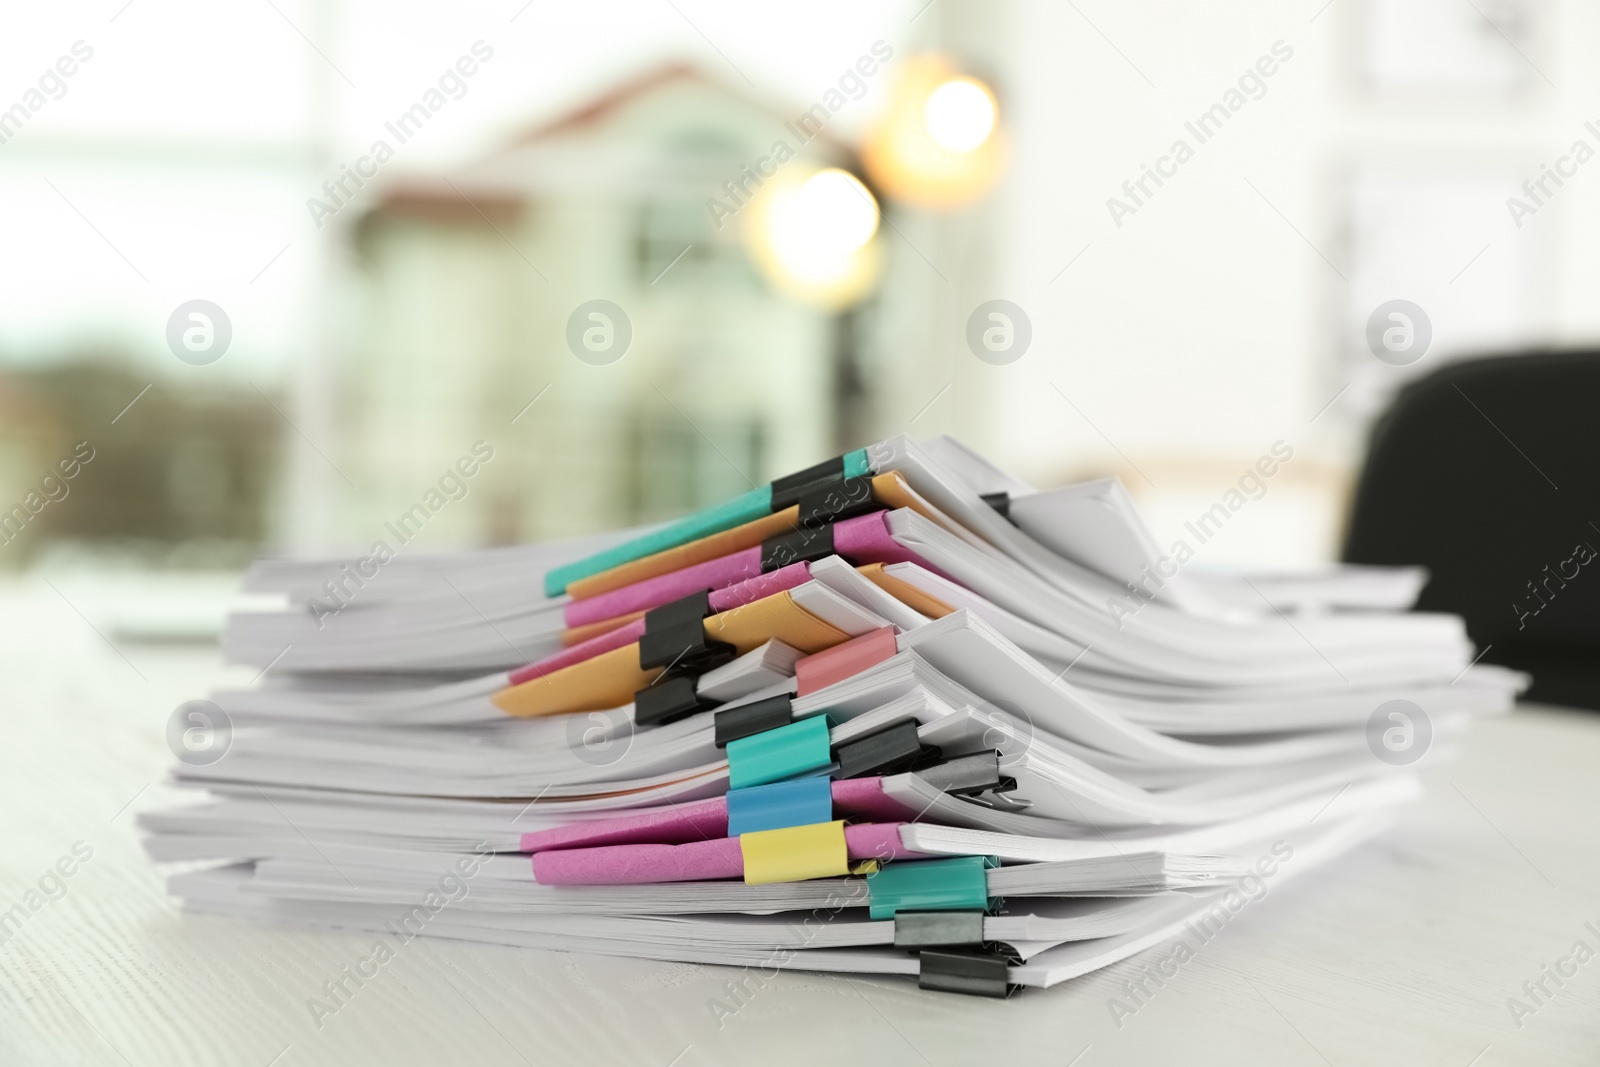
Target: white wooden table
[{"x": 1404, "y": 954}]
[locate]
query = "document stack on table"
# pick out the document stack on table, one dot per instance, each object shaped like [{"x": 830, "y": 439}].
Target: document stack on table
[{"x": 898, "y": 713}]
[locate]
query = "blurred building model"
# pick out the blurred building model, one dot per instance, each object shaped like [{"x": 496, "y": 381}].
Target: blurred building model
[{"x": 470, "y": 278}]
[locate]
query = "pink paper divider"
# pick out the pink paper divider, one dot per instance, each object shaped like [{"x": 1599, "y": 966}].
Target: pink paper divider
[
  {"x": 760, "y": 587},
  {"x": 864, "y": 798},
  {"x": 674, "y": 825},
  {"x": 877, "y": 841},
  {"x": 866, "y": 539},
  {"x": 822, "y": 669},
  {"x": 863, "y": 539},
  {"x": 664, "y": 588},
  {"x": 854, "y": 798},
  {"x": 696, "y": 861},
  {"x": 726, "y": 599}
]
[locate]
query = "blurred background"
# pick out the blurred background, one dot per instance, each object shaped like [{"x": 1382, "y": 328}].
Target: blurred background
[{"x": 277, "y": 265}]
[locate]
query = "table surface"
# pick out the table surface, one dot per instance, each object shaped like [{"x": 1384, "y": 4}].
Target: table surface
[{"x": 1406, "y": 952}]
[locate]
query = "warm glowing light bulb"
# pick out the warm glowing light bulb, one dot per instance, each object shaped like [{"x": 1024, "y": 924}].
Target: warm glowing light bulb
[
  {"x": 960, "y": 114},
  {"x": 811, "y": 235},
  {"x": 939, "y": 144},
  {"x": 818, "y": 226},
  {"x": 840, "y": 209}
]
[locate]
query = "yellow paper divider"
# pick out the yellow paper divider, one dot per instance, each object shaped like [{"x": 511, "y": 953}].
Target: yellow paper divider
[{"x": 795, "y": 853}]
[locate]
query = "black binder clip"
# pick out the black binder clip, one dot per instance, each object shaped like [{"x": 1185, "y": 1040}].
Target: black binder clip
[
  {"x": 788, "y": 490},
  {"x": 967, "y": 776},
  {"x": 930, "y": 929},
  {"x": 675, "y": 639},
  {"x": 797, "y": 546},
  {"x": 668, "y": 699},
  {"x": 1000, "y": 502},
  {"x": 952, "y": 970},
  {"x": 977, "y": 778},
  {"x": 836, "y": 501},
  {"x": 747, "y": 720},
  {"x": 886, "y": 750}
]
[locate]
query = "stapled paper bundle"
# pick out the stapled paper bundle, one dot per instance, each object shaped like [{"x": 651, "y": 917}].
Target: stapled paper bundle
[{"x": 898, "y": 713}]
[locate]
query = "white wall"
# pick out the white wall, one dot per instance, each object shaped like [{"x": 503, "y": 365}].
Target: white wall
[{"x": 1205, "y": 328}]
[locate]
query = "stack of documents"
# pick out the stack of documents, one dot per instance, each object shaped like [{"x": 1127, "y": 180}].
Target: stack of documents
[{"x": 898, "y": 713}]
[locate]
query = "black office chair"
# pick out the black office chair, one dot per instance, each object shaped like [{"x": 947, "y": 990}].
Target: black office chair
[{"x": 1488, "y": 473}]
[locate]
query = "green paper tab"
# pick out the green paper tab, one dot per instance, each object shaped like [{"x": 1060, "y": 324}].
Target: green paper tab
[
  {"x": 958, "y": 884},
  {"x": 787, "y": 752},
  {"x": 747, "y": 507},
  {"x": 736, "y": 512}
]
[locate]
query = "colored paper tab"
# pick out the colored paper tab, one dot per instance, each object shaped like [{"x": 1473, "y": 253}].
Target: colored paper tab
[
  {"x": 822, "y": 669},
  {"x": 957, "y": 884},
  {"x": 741, "y": 509},
  {"x": 787, "y": 752},
  {"x": 795, "y": 854},
  {"x": 781, "y": 804}
]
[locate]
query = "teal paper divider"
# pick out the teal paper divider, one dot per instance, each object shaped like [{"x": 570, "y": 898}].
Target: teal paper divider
[
  {"x": 741, "y": 509},
  {"x": 787, "y": 752},
  {"x": 959, "y": 884},
  {"x": 744, "y": 508}
]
